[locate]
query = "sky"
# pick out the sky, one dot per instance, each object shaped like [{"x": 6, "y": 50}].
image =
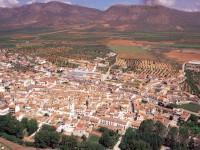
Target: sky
[{"x": 186, "y": 5}]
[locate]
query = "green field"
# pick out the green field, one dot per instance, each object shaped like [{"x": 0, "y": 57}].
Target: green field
[
  {"x": 88, "y": 44},
  {"x": 132, "y": 51},
  {"x": 191, "y": 107}
]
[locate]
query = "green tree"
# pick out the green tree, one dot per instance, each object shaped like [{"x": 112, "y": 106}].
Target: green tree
[
  {"x": 172, "y": 137},
  {"x": 90, "y": 146},
  {"x": 54, "y": 139},
  {"x": 42, "y": 139},
  {"x": 132, "y": 141},
  {"x": 47, "y": 138},
  {"x": 24, "y": 122},
  {"x": 32, "y": 126},
  {"x": 183, "y": 135},
  {"x": 160, "y": 129},
  {"x": 10, "y": 125},
  {"x": 48, "y": 128},
  {"x": 68, "y": 143},
  {"x": 106, "y": 140},
  {"x": 147, "y": 126}
]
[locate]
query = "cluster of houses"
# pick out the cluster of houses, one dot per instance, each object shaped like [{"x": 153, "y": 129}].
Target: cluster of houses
[{"x": 76, "y": 101}]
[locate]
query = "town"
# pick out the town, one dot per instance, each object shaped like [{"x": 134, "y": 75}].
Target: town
[{"x": 79, "y": 100}]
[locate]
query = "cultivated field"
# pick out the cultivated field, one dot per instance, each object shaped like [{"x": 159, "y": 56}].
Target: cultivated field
[
  {"x": 87, "y": 44},
  {"x": 183, "y": 56}
]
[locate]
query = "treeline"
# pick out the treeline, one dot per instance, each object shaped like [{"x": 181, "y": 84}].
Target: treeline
[
  {"x": 109, "y": 137},
  {"x": 193, "y": 79},
  {"x": 47, "y": 136},
  {"x": 14, "y": 130},
  {"x": 89, "y": 51},
  {"x": 64, "y": 63},
  {"x": 152, "y": 135}
]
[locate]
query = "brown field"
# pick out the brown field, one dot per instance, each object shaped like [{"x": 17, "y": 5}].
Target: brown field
[
  {"x": 129, "y": 49},
  {"x": 22, "y": 36},
  {"x": 182, "y": 56},
  {"x": 121, "y": 42}
]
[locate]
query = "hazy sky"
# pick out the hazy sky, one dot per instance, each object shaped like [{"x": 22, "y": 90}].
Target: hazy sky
[{"x": 188, "y": 5}]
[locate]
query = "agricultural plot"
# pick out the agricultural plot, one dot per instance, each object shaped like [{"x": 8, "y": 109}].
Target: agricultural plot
[
  {"x": 132, "y": 52},
  {"x": 74, "y": 43},
  {"x": 182, "y": 56},
  {"x": 191, "y": 107}
]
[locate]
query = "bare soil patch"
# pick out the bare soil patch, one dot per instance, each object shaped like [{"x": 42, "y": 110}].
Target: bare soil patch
[
  {"x": 183, "y": 56},
  {"x": 121, "y": 42}
]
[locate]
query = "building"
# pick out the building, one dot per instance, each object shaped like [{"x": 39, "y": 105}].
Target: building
[{"x": 4, "y": 110}]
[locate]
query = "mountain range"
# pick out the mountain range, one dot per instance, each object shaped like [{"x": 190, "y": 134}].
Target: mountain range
[{"x": 119, "y": 17}]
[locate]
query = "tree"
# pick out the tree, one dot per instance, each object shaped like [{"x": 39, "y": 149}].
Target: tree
[
  {"x": 32, "y": 126},
  {"x": 42, "y": 139},
  {"x": 68, "y": 143},
  {"x": 54, "y": 138},
  {"x": 90, "y": 146},
  {"x": 11, "y": 126},
  {"x": 132, "y": 141},
  {"x": 160, "y": 129},
  {"x": 24, "y": 122},
  {"x": 48, "y": 128},
  {"x": 139, "y": 145},
  {"x": 172, "y": 137},
  {"x": 84, "y": 138},
  {"x": 183, "y": 135},
  {"x": 154, "y": 140},
  {"x": 147, "y": 126},
  {"x": 47, "y": 138},
  {"x": 106, "y": 140},
  {"x": 191, "y": 144}
]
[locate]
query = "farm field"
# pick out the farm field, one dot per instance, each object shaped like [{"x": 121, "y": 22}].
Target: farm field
[
  {"x": 132, "y": 52},
  {"x": 77, "y": 42},
  {"x": 191, "y": 107},
  {"x": 182, "y": 56},
  {"x": 129, "y": 49}
]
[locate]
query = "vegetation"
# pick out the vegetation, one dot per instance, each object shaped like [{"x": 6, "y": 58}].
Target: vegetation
[
  {"x": 193, "y": 81},
  {"x": 152, "y": 135},
  {"x": 11, "y": 126},
  {"x": 132, "y": 51},
  {"x": 90, "y": 146},
  {"x": 14, "y": 130},
  {"x": 191, "y": 107},
  {"x": 109, "y": 137},
  {"x": 47, "y": 137},
  {"x": 192, "y": 125},
  {"x": 30, "y": 125},
  {"x": 89, "y": 51},
  {"x": 93, "y": 139},
  {"x": 62, "y": 63}
]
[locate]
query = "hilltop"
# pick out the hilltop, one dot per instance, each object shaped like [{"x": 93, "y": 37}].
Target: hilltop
[{"x": 119, "y": 17}]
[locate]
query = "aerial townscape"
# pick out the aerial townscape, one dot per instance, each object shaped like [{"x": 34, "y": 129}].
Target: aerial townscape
[{"x": 73, "y": 77}]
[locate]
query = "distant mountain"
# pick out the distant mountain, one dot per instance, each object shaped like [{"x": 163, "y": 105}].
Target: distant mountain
[
  {"x": 49, "y": 14},
  {"x": 150, "y": 18},
  {"x": 119, "y": 17}
]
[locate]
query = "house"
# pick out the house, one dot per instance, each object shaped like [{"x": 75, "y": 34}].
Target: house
[
  {"x": 113, "y": 123},
  {"x": 80, "y": 130},
  {"x": 4, "y": 110}
]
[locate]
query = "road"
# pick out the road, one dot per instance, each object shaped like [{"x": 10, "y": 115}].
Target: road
[{"x": 116, "y": 147}]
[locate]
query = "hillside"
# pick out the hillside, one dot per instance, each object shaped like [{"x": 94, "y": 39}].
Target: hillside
[
  {"x": 120, "y": 17},
  {"x": 51, "y": 14}
]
